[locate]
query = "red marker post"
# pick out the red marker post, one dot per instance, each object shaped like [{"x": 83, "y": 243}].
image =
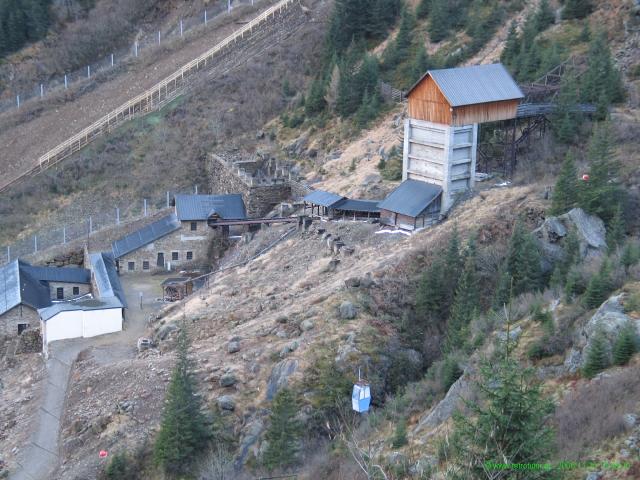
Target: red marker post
[
  {"x": 103, "y": 454},
  {"x": 585, "y": 177}
]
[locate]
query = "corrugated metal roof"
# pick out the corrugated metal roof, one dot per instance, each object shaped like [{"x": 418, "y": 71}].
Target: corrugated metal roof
[
  {"x": 85, "y": 305},
  {"x": 475, "y": 84},
  {"x": 324, "y": 199},
  {"x": 106, "y": 277},
  {"x": 58, "y": 274},
  {"x": 201, "y": 207},
  {"x": 146, "y": 235},
  {"x": 18, "y": 286},
  {"x": 358, "y": 205},
  {"x": 411, "y": 197}
]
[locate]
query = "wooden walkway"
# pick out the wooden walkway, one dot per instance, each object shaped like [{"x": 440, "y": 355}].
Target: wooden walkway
[{"x": 151, "y": 100}]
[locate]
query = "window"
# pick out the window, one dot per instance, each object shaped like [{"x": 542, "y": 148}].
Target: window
[
  {"x": 194, "y": 226},
  {"x": 60, "y": 293},
  {"x": 145, "y": 265},
  {"x": 189, "y": 255},
  {"x": 22, "y": 327},
  {"x": 175, "y": 255},
  {"x": 131, "y": 266},
  {"x": 76, "y": 290}
]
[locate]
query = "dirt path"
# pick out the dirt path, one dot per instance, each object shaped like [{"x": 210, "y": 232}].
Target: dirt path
[
  {"x": 22, "y": 144},
  {"x": 39, "y": 459}
]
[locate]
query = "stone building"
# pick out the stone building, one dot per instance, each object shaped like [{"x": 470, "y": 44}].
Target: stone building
[
  {"x": 263, "y": 182},
  {"x": 180, "y": 240}
]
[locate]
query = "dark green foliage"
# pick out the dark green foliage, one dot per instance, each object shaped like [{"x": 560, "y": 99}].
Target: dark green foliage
[
  {"x": 565, "y": 193},
  {"x": 512, "y": 46},
  {"x": 315, "y": 102},
  {"x": 567, "y": 119},
  {"x": 616, "y": 230},
  {"x": 368, "y": 110},
  {"x": 503, "y": 288},
  {"x": 22, "y": 21},
  {"x": 391, "y": 169},
  {"x": 599, "y": 287},
  {"x": 358, "y": 78},
  {"x": 574, "y": 285},
  {"x": 420, "y": 65},
  {"x": 184, "y": 431},
  {"x": 400, "y": 434},
  {"x": 287, "y": 91},
  {"x": 117, "y": 468},
  {"x": 423, "y": 8},
  {"x": 439, "y": 21},
  {"x": 576, "y": 9},
  {"x": 465, "y": 303},
  {"x": 626, "y": 345},
  {"x": 597, "y": 357},
  {"x": 601, "y": 83},
  {"x": 284, "y": 431},
  {"x": 602, "y": 193},
  {"x": 507, "y": 425},
  {"x": 630, "y": 256},
  {"x": 523, "y": 263},
  {"x": 398, "y": 50},
  {"x": 450, "y": 372},
  {"x": 571, "y": 257},
  {"x": 544, "y": 16}
]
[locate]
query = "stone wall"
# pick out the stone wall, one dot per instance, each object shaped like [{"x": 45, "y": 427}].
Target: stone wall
[
  {"x": 181, "y": 241},
  {"x": 259, "y": 198},
  {"x": 83, "y": 288},
  {"x": 20, "y": 314}
]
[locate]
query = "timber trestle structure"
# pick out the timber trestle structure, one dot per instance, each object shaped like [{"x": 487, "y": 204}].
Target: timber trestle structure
[{"x": 155, "y": 97}]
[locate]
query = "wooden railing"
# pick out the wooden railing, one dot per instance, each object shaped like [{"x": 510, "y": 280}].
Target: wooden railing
[{"x": 154, "y": 98}]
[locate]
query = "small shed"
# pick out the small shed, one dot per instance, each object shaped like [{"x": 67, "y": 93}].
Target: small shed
[
  {"x": 413, "y": 204},
  {"x": 176, "y": 288},
  {"x": 357, "y": 209},
  {"x": 465, "y": 95},
  {"x": 322, "y": 203}
]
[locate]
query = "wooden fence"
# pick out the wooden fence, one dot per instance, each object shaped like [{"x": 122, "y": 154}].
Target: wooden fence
[{"x": 154, "y": 98}]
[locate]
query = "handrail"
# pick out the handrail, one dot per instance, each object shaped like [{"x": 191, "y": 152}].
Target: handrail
[{"x": 143, "y": 103}]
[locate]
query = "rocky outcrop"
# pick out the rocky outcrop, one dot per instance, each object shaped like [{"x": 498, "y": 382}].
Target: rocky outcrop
[
  {"x": 279, "y": 376},
  {"x": 589, "y": 229}
]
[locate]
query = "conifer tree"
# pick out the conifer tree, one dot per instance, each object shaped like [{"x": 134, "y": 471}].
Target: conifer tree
[
  {"x": 576, "y": 9},
  {"x": 439, "y": 21},
  {"x": 183, "y": 431},
  {"x": 597, "y": 356},
  {"x": 626, "y": 344},
  {"x": 503, "y": 288},
  {"x": 616, "y": 230},
  {"x": 451, "y": 372},
  {"x": 283, "y": 433},
  {"x": 506, "y": 425},
  {"x": 420, "y": 64},
  {"x": 512, "y": 46},
  {"x": 565, "y": 193},
  {"x": 431, "y": 291},
  {"x": 523, "y": 261},
  {"x": 400, "y": 434},
  {"x": 566, "y": 118},
  {"x": 465, "y": 303},
  {"x": 573, "y": 285},
  {"x": 599, "y": 286},
  {"x": 315, "y": 102},
  {"x": 423, "y": 8},
  {"x": 630, "y": 256},
  {"x": 544, "y": 16}
]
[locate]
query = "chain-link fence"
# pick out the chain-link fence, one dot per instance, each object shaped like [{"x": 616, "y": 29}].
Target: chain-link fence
[
  {"x": 38, "y": 90},
  {"x": 85, "y": 227}
]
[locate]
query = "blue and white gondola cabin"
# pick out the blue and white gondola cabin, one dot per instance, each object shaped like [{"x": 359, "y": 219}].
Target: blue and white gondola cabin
[{"x": 361, "y": 397}]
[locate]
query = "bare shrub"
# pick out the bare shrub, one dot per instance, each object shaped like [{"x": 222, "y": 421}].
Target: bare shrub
[{"x": 593, "y": 412}]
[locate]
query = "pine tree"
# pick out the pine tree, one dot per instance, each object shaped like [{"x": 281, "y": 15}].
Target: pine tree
[
  {"x": 616, "y": 230},
  {"x": 601, "y": 194},
  {"x": 506, "y": 425},
  {"x": 440, "y": 20},
  {"x": 400, "y": 434},
  {"x": 599, "y": 287},
  {"x": 573, "y": 285},
  {"x": 566, "y": 118},
  {"x": 523, "y": 263},
  {"x": 315, "y": 102},
  {"x": 451, "y": 372},
  {"x": 423, "y": 8},
  {"x": 430, "y": 293},
  {"x": 465, "y": 304},
  {"x": 512, "y": 46},
  {"x": 565, "y": 193},
  {"x": 183, "y": 431},
  {"x": 420, "y": 64},
  {"x": 544, "y": 16},
  {"x": 630, "y": 256},
  {"x": 283, "y": 433},
  {"x": 503, "y": 288},
  {"x": 576, "y": 9},
  {"x": 597, "y": 357},
  {"x": 626, "y": 344}
]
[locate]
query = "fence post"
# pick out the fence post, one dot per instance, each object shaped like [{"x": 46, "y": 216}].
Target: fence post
[
  {"x": 112, "y": 62},
  {"x": 136, "y": 47},
  {"x": 181, "y": 30},
  {"x": 158, "y": 37},
  {"x": 145, "y": 207},
  {"x": 41, "y": 90},
  {"x": 8, "y": 253},
  {"x": 66, "y": 83},
  {"x": 196, "y": 189},
  {"x": 168, "y": 200},
  {"x": 205, "y": 16},
  {"x": 88, "y": 71},
  {"x": 117, "y": 216},
  {"x": 18, "y": 100},
  {"x": 64, "y": 234},
  {"x": 35, "y": 244}
]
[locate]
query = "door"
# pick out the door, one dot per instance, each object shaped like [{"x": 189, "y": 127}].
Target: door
[{"x": 161, "y": 260}]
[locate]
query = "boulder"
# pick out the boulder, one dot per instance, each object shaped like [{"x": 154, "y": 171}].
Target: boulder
[
  {"x": 347, "y": 310},
  {"x": 279, "y": 376},
  {"x": 306, "y": 325},
  {"x": 445, "y": 408},
  {"x": 166, "y": 330},
  {"x": 226, "y": 402},
  {"x": 249, "y": 437},
  {"x": 228, "y": 380},
  {"x": 233, "y": 347},
  {"x": 610, "y": 318}
]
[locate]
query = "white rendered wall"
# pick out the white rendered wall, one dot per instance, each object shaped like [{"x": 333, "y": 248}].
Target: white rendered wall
[
  {"x": 441, "y": 155},
  {"x": 99, "y": 322},
  {"x": 77, "y": 324},
  {"x": 63, "y": 326}
]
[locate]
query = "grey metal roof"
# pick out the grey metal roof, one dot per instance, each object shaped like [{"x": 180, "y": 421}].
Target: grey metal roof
[
  {"x": 324, "y": 199},
  {"x": 85, "y": 304},
  {"x": 106, "y": 277},
  {"x": 201, "y": 207},
  {"x": 18, "y": 286},
  {"x": 411, "y": 197},
  {"x": 358, "y": 205},
  {"x": 146, "y": 235},
  {"x": 475, "y": 84},
  {"x": 58, "y": 274}
]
